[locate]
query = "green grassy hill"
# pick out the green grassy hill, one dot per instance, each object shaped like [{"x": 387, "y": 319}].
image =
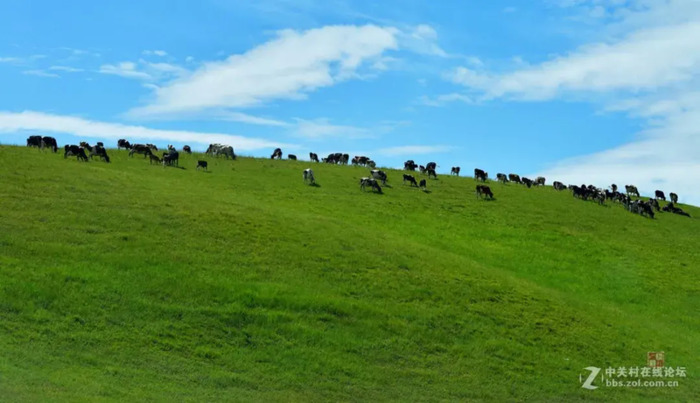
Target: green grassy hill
[{"x": 128, "y": 282}]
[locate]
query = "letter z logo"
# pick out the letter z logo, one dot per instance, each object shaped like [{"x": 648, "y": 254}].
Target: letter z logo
[{"x": 589, "y": 381}]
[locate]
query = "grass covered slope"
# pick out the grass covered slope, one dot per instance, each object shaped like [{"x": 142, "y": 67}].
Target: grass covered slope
[{"x": 127, "y": 281}]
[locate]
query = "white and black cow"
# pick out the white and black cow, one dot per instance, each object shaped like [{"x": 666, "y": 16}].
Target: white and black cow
[
  {"x": 660, "y": 195},
  {"x": 313, "y": 157},
  {"x": 379, "y": 175},
  {"x": 50, "y": 143},
  {"x": 480, "y": 174},
  {"x": 77, "y": 151},
  {"x": 202, "y": 164},
  {"x": 309, "y": 176},
  {"x": 371, "y": 182},
  {"x": 502, "y": 177},
  {"x": 411, "y": 180},
  {"x": 140, "y": 149},
  {"x": 455, "y": 171}
]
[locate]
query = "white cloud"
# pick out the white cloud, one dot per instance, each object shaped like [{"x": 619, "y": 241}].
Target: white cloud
[
  {"x": 412, "y": 150},
  {"x": 38, "y": 121},
  {"x": 442, "y": 99},
  {"x": 423, "y": 40},
  {"x": 287, "y": 67},
  {"x": 160, "y": 53},
  {"x": 645, "y": 60},
  {"x": 125, "y": 69},
  {"x": 10, "y": 60},
  {"x": 40, "y": 73},
  {"x": 67, "y": 69},
  {"x": 323, "y": 129}
]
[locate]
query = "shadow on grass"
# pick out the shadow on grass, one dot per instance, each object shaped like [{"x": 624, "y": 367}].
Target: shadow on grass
[
  {"x": 427, "y": 191},
  {"x": 316, "y": 185}
]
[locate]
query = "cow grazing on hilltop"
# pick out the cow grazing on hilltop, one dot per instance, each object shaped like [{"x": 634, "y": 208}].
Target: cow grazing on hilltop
[
  {"x": 99, "y": 151},
  {"x": 202, "y": 164},
  {"x": 502, "y": 178},
  {"x": 479, "y": 174},
  {"x": 154, "y": 159},
  {"x": 410, "y": 165},
  {"x": 344, "y": 159},
  {"x": 140, "y": 149},
  {"x": 171, "y": 158},
  {"x": 50, "y": 143},
  {"x": 613, "y": 187},
  {"x": 411, "y": 180},
  {"x": 292, "y": 157},
  {"x": 674, "y": 198},
  {"x": 655, "y": 204},
  {"x": 631, "y": 190},
  {"x": 122, "y": 143},
  {"x": 276, "y": 154},
  {"x": 483, "y": 190},
  {"x": 187, "y": 149},
  {"x": 309, "y": 176},
  {"x": 34, "y": 141},
  {"x": 86, "y": 145},
  {"x": 527, "y": 181},
  {"x": 431, "y": 172},
  {"x": 423, "y": 184},
  {"x": 220, "y": 149},
  {"x": 379, "y": 175},
  {"x": 515, "y": 178},
  {"x": 77, "y": 151},
  {"x": 455, "y": 171},
  {"x": 371, "y": 164},
  {"x": 313, "y": 157},
  {"x": 422, "y": 169},
  {"x": 675, "y": 210},
  {"x": 539, "y": 181},
  {"x": 660, "y": 195},
  {"x": 558, "y": 185},
  {"x": 371, "y": 182},
  {"x": 431, "y": 165}
]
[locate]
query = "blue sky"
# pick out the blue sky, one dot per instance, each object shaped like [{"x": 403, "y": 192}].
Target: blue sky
[{"x": 594, "y": 91}]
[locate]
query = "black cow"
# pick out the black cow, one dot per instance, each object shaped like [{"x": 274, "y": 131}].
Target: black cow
[
  {"x": 140, "y": 149},
  {"x": 75, "y": 150},
  {"x": 539, "y": 181},
  {"x": 613, "y": 187},
  {"x": 173, "y": 157},
  {"x": 49, "y": 142},
  {"x": 187, "y": 149},
  {"x": 527, "y": 181},
  {"x": 422, "y": 169},
  {"x": 410, "y": 179},
  {"x": 313, "y": 157},
  {"x": 676, "y": 210},
  {"x": 514, "y": 178},
  {"x": 371, "y": 164},
  {"x": 152, "y": 147},
  {"x": 344, "y": 159},
  {"x": 100, "y": 151},
  {"x": 277, "y": 153},
  {"x": 674, "y": 197},
  {"x": 645, "y": 208},
  {"x": 502, "y": 177},
  {"x": 34, "y": 141},
  {"x": 423, "y": 183},
  {"x": 292, "y": 157},
  {"x": 202, "y": 164},
  {"x": 431, "y": 172},
  {"x": 483, "y": 190},
  {"x": 122, "y": 143},
  {"x": 431, "y": 165},
  {"x": 655, "y": 204},
  {"x": 410, "y": 165},
  {"x": 154, "y": 158},
  {"x": 558, "y": 185},
  {"x": 660, "y": 195},
  {"x": 479, "y": 174},
  {"x": 455, "y": 171}
]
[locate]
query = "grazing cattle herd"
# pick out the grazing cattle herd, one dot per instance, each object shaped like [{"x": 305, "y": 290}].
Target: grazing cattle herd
[{"x": 172, "y": 158}]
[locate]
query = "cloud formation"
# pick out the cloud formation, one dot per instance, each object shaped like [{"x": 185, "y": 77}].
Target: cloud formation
[{"x": 287, "y": 67}]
